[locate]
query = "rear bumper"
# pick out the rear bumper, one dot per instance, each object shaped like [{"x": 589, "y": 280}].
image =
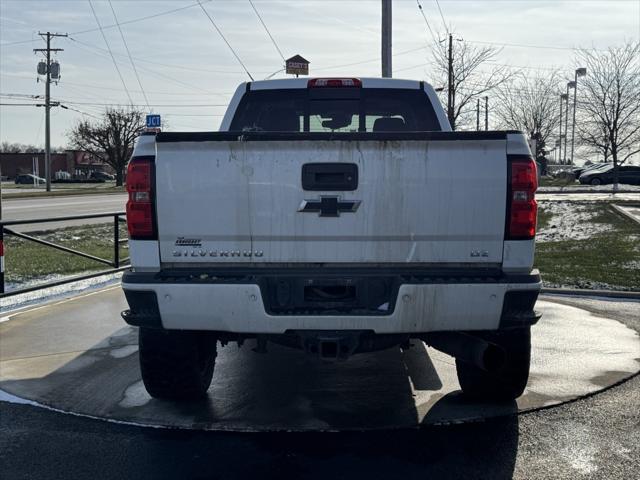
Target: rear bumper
[{"x": 417, "y": 304}]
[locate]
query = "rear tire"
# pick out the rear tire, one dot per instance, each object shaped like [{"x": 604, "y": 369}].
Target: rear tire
[
  {"x": 175, "y": 364},
  {"x": 507, "y": 382}
]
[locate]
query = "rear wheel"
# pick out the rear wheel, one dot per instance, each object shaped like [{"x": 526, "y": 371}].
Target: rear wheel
[
  {"x": 175, "y": 364},
  {"x": 507, "y": 382}
]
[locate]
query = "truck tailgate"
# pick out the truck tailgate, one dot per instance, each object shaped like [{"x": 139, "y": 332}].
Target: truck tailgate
[{"x": 416, "y": 201}]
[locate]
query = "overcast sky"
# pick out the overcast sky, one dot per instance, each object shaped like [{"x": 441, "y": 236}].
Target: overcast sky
[{"x": 188, "y": 72}]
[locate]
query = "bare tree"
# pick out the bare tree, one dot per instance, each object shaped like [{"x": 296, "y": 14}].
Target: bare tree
[
  {"x": 470, "y": 80},
  {"x": 529, "y": 102},
  {"x": 109, "y": 139},
  {"x": 8, "y": 147},
  {"x": 610, "y": 105}
]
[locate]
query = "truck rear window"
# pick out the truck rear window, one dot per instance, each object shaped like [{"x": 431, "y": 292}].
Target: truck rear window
[{"x": 335, "y": 110}]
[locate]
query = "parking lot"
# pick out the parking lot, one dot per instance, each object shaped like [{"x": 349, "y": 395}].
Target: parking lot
[{"x": 77, "y": 364}]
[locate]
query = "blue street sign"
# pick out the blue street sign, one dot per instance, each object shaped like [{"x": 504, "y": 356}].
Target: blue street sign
[{"x": 153, "y": 121}]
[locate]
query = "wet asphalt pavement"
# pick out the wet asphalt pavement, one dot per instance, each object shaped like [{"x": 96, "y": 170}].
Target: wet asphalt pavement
[{"x": 595, "y": 437}]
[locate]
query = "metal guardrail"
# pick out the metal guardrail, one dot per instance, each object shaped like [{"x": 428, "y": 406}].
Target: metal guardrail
[{"x": 118, "y": 264}]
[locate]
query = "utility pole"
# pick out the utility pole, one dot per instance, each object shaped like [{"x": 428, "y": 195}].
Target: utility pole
[
  {"x": 47, "y": 102},
  {"x": 386, "y": 38},
  {"x": 478, "y": 114},
  {"x": 560, "y": 136},
  {"x": 450, "y": 105},
  {"x": 486, "y": 113}
]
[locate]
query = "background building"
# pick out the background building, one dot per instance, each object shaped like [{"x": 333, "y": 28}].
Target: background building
[{"x": 75, "y": 162}]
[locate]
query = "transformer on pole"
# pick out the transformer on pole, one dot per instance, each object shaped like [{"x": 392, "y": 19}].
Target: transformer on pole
[{"x": 52, "y": 72}]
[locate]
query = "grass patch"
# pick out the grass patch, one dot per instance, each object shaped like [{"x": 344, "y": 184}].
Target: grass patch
[
  {"x": 27, "y": 261},
  {"x": 544, "y": 217},
  {"x": 610, "y": 259},
  {"x": 556, "y": 182}
]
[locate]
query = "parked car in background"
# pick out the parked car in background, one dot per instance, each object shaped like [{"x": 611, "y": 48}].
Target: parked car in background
[
  {"x": 586, "y": 168},
  {"x": 101, "y": 176},
  {"x": 28, "y": 179},
  {"x": 627, "y": 174},
  {"x": 62, "y": 175}
]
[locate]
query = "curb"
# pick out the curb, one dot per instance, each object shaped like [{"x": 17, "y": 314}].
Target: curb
[
  {"x": 635, "y": 295},
  {"x": 57, "y": 193},
  {"x": 582, "y": 190},
  {"x": 628, "y": 215}
]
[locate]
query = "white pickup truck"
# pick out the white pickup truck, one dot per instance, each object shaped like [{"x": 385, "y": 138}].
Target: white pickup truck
[{"x": 337, "y": 216}]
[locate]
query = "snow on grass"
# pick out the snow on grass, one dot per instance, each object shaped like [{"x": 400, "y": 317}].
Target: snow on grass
[
  {"x": 587, "y": 245},
  {"x": 568, "y": 221},
  {"x": 588, "y": 188},
  {"x": 27, "y": 262},
  {"x": 52, "y": 293}
]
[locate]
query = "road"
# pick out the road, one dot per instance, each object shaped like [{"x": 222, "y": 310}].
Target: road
[
  {"x": 26, "y": 208},
  {"x": 594, "y": 437},
  {"x": 48, "y": 207}
]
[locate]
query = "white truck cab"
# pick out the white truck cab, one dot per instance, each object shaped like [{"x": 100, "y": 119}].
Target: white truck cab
[{"x": 338, "y": 216}]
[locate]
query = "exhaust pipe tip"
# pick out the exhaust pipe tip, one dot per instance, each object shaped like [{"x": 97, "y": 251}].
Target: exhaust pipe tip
[{"x": 469, "y": 348}]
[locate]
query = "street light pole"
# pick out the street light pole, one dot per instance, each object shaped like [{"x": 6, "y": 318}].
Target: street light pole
[
  {"x": 566, "y": 119},
  {"x": 580, "y": 72},
  {"x": 562, "y": 97}
]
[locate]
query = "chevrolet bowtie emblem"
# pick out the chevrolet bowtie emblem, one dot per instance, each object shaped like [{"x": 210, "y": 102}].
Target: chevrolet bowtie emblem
[{"x": 329, "y": 206}]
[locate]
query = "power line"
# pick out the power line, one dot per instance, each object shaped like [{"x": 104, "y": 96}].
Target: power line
[
  {"x": 139, "y": 19},
  {"x": 104, "y": 87},
  {"x": 225, "y": 40},
  {"x": 110, "y": 52},
  {"x": 18, "y": 43},
  {"x": 376, "y": 59},
  {"x": 167, "y": 77},
  {"x": 267, "y": 30},
  {"x": 22, "y": 96},
  {"x": 127, "y": 22},
  {"x": 193, "y": 114},
  {"x": 135, "y": 70},
  {"x": 522, "y": 45},
  {"x": 203, "y": 70},
  {"x": 178, "y": 67},
  {"x": 164, "y": 105},
  {"x": 435, "y": 40},
  {"x": 66, "y": 107},
  {"x": 442, "y": 17}
]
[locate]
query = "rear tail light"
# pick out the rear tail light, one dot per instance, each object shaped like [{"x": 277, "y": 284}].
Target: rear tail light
[
  {"x": 333, "y": 82},
  {"x": 140, "y": 206},
  {"x": 522, "y": 209}
]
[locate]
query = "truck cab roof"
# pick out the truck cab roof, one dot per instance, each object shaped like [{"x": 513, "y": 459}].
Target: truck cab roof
[{"x": 366, "y": 82}]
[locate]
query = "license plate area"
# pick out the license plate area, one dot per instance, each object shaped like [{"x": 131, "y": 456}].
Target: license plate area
[{"x": 329, "y": 295}]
